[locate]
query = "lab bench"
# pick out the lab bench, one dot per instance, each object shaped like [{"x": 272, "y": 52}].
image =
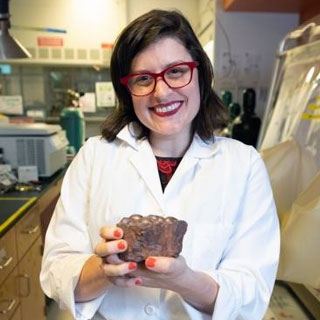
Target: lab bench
[{"x": 24, "y": 217}]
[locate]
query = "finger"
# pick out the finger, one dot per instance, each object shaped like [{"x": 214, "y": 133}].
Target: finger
[
  {"x": 165, "y": 265},
  {"x": 113, "y": 270},
  {"x": 126, "y": 282},
  {"x": 113, "y": 259},
  {"x": 104, "y": 248},
  {"x": 111, "y": 233}
]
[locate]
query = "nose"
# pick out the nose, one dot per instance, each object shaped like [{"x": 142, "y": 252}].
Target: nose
[{"x": 161, "y": 88}]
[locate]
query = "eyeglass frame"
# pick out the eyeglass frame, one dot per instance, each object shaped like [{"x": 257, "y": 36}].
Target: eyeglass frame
[{"x": 125, "y": 80}]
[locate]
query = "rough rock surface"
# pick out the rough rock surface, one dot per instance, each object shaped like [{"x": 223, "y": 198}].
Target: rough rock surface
[{"x": 151, "y": 236}]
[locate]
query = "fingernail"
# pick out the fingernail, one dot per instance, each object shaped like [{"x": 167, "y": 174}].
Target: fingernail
[
  {"x": 117, "y": 233},
  {"x": 121, "y": 245},
  {"x": 132, "y": 265},
  {"x": 138, "y": 282},
  {"x": 150, "y": 262}
]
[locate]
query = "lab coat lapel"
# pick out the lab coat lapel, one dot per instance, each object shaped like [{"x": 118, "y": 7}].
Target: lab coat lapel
[
  {"x": 145, "y": 163},
  {"x": 143, "y": 160},
  {"x": 192, "y": 159}
]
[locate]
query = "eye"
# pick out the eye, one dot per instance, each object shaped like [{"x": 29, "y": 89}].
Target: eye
[
  {"x": 176, "y": 72},
  {"x": 141, "y": 80}
]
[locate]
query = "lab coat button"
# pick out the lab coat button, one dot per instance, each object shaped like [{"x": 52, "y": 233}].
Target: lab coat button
[{"x": 149, "y": 309}]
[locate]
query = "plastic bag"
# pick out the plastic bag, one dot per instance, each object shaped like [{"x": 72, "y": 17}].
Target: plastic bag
[
  {"x": 290, "y": 169},
  {"x": 300, "y": 239},
  {"x": 283, "y": 165}
]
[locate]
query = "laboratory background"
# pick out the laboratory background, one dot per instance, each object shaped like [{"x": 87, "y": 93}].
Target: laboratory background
[{"x": 55, "y": 92}]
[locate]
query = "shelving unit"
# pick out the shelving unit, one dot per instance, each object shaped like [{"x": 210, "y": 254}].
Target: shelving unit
[{"x": 306, "y": 8}]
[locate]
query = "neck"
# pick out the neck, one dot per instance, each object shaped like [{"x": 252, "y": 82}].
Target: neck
[{"x": 172, "y": 146}]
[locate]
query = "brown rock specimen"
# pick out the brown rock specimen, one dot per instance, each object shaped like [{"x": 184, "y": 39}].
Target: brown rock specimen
[{"x": 151, "y": 236}]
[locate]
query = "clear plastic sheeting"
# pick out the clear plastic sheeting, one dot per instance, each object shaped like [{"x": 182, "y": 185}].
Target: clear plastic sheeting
[
  {"x": 290, "y": 169},
  {"x": 300, "y": 258},
  {"x": 297, "y": 109},
  {"x": 291, "y": 151}
]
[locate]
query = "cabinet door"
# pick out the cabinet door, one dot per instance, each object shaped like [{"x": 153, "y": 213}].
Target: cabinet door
[
  {"x": 17, "y": 314},
  {"x": 9, "y": 299},
  {"x": 47, "y": 204},
  {"x": 50, "y": 195},
  {"x": 31, "y": 296},
  {"x": 27, "y": 230},
  {"x": 8, "y": 254}
]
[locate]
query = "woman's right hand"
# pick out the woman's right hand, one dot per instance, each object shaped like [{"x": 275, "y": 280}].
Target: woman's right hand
[
  {"x": 115, "y": 269},
  {"x": 105, "y": 267}
]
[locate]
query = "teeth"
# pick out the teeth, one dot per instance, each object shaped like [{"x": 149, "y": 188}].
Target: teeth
[{"x": 168, "y": 108}]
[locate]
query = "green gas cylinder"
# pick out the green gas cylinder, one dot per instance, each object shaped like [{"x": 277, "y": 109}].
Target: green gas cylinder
[
  {"x": 72, "y": 121},
  {"x": 234, "y": 110},
  {"x": 226, "y": 97}
]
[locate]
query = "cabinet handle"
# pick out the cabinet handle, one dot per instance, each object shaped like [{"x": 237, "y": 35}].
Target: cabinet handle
[
  {"x": 11, "y": 303},
  {"x": 31, "y": 230},
  {"x": 6, "y": 263},
  {"x": 27, "y": 278}
]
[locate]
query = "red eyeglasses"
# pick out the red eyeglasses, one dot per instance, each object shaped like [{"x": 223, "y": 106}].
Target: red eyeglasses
[{"x": 144, "y": 83}]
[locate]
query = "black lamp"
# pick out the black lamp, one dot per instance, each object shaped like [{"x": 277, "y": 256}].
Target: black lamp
[{"x": 10, "y": 48}]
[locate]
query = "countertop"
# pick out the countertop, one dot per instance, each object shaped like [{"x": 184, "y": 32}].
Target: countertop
[{"x": 14, "y": 204}]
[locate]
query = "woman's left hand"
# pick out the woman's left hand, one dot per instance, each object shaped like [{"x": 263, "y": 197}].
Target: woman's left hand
[
  {"x": 162, "y": 272},
  {"x": 197, "y": 288}
]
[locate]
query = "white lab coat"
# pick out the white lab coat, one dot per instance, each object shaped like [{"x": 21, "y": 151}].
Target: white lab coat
[{"x": 221, "y": 189}]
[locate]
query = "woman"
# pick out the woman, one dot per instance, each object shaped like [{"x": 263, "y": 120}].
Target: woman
[{"x": 167, "y": 113}]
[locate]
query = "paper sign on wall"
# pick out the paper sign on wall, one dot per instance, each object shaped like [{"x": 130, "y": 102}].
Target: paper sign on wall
[
  {"x": 88, "y": 102},
  {"x": 11, "y": 104},
  {"x": 105, "y": 94}
]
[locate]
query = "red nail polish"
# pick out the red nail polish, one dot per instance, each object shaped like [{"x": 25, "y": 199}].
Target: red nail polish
[
  {"x": 138, "y": 282},
  {"x": 117, "y": 233},
  {"x": 132, "y": 265},
  {"x": 150, "y": 262},
  {"x": 121, "y": 245}
]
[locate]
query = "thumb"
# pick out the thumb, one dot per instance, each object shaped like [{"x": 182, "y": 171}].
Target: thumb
[{"x": 165, "y": 265}]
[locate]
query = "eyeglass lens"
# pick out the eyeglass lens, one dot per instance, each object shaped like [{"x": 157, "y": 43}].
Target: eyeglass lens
[{"x": 175, "y": 77}]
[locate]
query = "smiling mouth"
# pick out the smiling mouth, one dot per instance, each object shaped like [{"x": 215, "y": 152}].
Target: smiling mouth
[{"x": 167, "y": 110}]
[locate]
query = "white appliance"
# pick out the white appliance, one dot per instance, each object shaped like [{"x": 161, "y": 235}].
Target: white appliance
[{"x": 35, "y": 144}]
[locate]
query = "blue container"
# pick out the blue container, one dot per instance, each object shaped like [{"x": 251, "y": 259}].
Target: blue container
[{"x": 72, "y": 121}]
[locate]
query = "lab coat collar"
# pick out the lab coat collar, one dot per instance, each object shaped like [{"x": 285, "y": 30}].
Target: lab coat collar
[
  {"x": 198, "y": 148},
  {"x": 145, "y": 162},
  {"x": 202, "y": 149},
  {"x": 129, "y": 135}
]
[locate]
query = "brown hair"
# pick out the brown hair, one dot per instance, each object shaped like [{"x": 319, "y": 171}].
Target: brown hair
[{"x": 138, "y": 35}]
